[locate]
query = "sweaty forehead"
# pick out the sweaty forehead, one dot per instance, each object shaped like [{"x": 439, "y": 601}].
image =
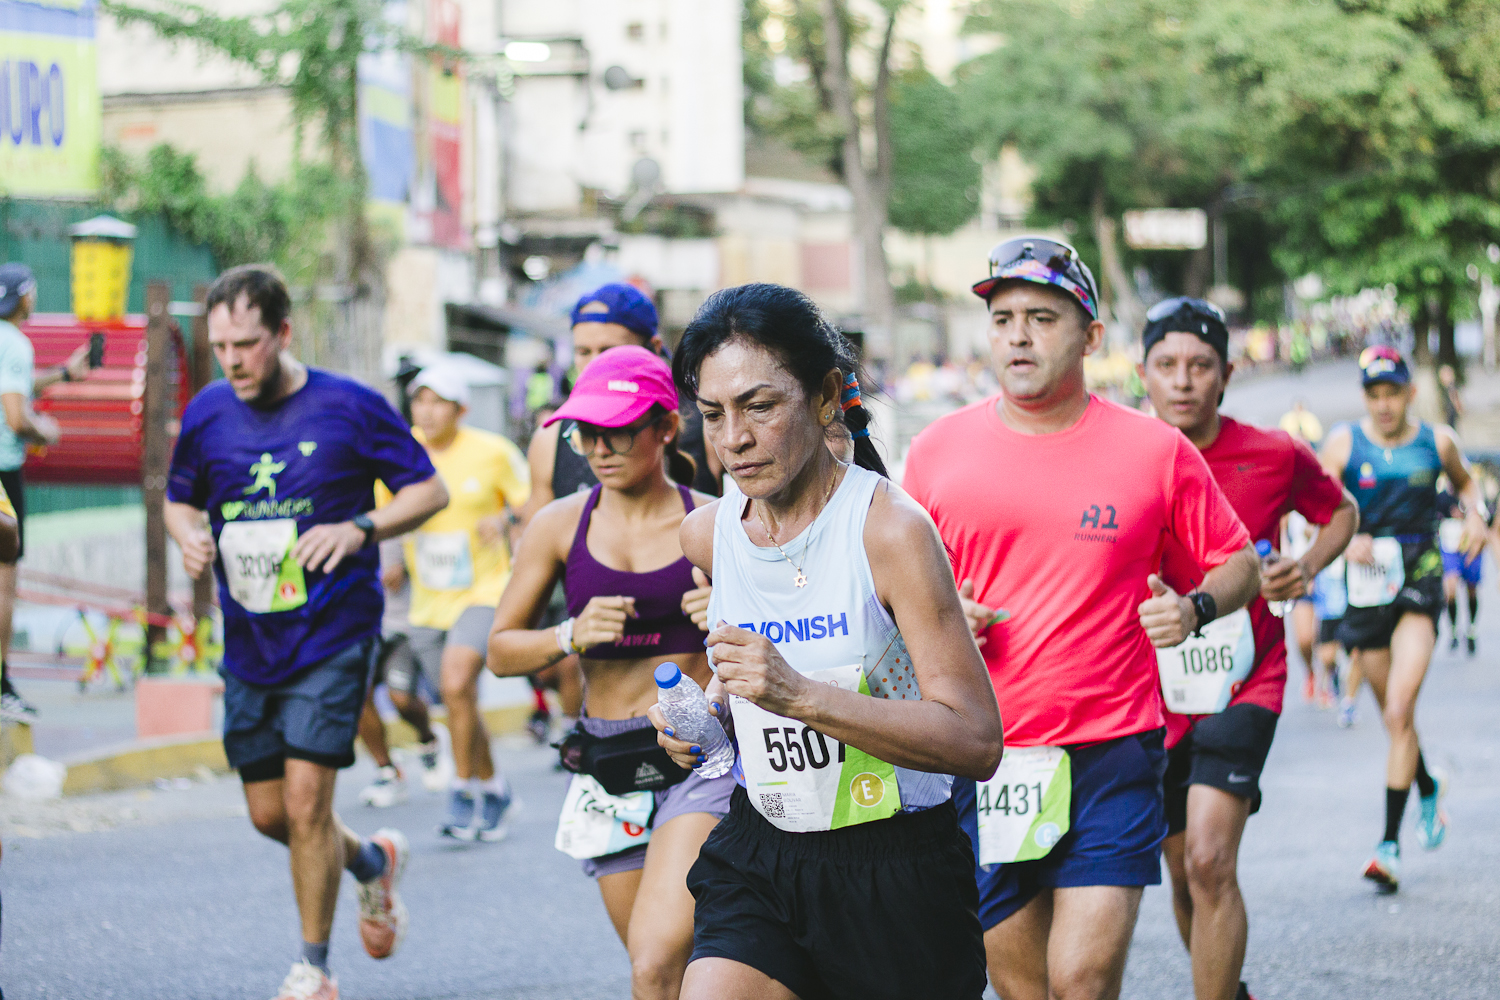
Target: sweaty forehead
[
  {"x": 237, "y": 321},
  {"x": 1020, "y": 296},
  {"x": 1183, "y": 345}
]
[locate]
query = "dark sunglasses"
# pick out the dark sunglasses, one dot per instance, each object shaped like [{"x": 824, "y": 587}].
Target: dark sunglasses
[
  {"x": 585, "y": 438},
  {"x": 1058, "y": 257}
]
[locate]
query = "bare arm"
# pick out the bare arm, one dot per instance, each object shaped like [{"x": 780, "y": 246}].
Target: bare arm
[
  {"x": 26, "y": 423},
  {"x": 77, "y": 367},
  {"x": 325, "y": 545},
  {"x": 1290, "y": 579},
  {"x": 955, "y": 727},
  {"x": 1168, "y": 617},
  {"x": 1466, "y": 488},
  {"x": 540, "y": 457},
  {"x": 10, "y": 538},
  {"x": 189, "y": 528}
]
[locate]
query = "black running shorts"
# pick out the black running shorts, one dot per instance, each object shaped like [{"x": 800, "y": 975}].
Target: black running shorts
[
  {"x": 1328, "y": 630},
  {"x": 1225, "y": 751},
  {"x": 1421, "y": 592},
  {"x": 883, "y": 910}
]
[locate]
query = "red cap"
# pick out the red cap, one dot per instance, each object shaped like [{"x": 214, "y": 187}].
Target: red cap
[{"x": 618, "y": 387}]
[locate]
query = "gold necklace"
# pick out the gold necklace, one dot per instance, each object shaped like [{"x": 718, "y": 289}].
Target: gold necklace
[{"x": 801, "y": 578}]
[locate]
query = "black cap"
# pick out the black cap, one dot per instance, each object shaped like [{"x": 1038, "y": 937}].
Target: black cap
[{"x": 1184, "y": 315}]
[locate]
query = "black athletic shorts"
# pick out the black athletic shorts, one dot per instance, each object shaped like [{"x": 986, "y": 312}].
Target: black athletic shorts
[
  {"x": 15, "y": 488},
  {"x": 1422, "y": 593},
  {"x": 885, "y": 909},
  {"x": 1328, "y": 630},
  {"x": 1225, "y": 751}
]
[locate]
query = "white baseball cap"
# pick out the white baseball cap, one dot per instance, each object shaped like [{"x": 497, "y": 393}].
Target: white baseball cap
[{"x": 444, "y": 380}]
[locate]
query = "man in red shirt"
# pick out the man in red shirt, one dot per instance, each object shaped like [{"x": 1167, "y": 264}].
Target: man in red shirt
[
  {"x": 1214, "y": 759},
  {"x": 1055, "y": 505}
]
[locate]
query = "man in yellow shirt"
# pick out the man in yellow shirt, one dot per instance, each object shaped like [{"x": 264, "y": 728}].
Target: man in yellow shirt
[
  {"x": 13, "y": 708},
  {"x": 458, "y": 563}
]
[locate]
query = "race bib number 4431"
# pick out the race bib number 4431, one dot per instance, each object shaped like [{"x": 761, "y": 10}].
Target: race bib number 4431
[
  {"x": 1024, "y": 809},
  {"x": 258, "y": 565},
  {"x": 802, "y": 781}
]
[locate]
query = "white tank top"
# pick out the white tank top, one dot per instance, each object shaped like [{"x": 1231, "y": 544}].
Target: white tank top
[{"x": 834, "y": 621}]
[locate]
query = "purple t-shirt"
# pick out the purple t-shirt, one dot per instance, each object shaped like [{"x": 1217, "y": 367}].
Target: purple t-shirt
[{"x": 313, "y": 458}]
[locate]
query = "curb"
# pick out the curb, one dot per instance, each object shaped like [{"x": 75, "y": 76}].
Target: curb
[{"x": 141, "y": 762}]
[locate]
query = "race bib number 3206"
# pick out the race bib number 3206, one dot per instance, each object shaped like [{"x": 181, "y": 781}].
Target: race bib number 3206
[
  {"x": 258, "y": 565},
  {"x": 803, "y": 781}
]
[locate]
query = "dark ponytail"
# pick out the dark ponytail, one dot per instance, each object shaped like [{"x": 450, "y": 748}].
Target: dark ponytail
[
  {"x": 680, "y": 466},
  {"x": 788, "y": 324}
]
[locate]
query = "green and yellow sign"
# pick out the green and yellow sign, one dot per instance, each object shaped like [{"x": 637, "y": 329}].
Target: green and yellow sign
[{"x": 49, "y": 99}]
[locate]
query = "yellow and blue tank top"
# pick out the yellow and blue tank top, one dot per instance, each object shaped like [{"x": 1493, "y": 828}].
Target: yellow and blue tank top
[{"x": 1396, "y": 488}]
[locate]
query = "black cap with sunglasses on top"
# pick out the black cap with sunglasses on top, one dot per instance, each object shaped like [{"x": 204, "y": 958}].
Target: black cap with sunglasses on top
[{"x": 1184, "y": 315}]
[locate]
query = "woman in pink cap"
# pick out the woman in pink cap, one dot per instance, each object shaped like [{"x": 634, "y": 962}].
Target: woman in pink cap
[{"x": 633, "y": 818}]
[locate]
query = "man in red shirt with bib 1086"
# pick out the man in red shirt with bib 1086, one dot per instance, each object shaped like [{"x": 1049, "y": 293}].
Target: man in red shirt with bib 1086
[
  {"x": 1054, "y": 505},
  {"x": 1223, "y": 691}
]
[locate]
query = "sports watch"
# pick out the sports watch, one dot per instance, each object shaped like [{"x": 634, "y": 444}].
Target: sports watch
[
  {"x": 363, "y": 523},
  {"x": 1205, "y": 607}
]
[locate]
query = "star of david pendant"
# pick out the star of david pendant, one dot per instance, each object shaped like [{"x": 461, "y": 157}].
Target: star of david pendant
[{"x": 801, "y": 580}]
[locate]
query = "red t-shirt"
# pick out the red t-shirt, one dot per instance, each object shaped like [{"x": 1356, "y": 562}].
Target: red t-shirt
[
  {"x": 1061, "y": 530},
  {"x": 1265, "y": 474}
]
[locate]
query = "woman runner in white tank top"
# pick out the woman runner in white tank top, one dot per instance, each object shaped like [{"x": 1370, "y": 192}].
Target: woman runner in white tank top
[{"x": 854, "y": 687}]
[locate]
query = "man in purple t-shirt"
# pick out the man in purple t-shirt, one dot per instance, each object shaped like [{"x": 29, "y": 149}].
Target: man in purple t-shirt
[{"x": 272, "y": 484}]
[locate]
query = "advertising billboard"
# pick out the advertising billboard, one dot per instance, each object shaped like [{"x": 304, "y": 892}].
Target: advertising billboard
[{"x": 49, "y": 99}]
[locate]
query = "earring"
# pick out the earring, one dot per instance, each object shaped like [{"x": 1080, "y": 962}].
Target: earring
[{"x": 827, "y": 417}]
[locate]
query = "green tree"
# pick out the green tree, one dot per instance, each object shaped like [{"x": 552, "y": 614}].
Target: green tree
[{"x": 934, "y": 174}]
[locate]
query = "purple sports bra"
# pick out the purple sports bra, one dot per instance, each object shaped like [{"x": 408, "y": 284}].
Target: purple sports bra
[{"x": 661, "y": 627}]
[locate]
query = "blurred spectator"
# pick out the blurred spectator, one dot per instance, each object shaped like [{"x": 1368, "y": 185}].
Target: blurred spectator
[
  {"x": 1302, "y": 423},
  {"x": 1453, "y": 404}
]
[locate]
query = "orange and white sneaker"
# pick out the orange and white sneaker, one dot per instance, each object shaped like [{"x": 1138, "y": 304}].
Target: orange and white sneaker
[
  {"x": 382, "y": 915},
  {"x": 308, "y": 982}
]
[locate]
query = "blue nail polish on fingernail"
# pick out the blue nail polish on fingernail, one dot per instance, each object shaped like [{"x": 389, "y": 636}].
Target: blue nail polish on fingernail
[
  {"x": 697, "y": 763},
  {"x": 669, "y": 731},
  {"x": 702, "y": 759},
  {"x": 695, "y": 749}
]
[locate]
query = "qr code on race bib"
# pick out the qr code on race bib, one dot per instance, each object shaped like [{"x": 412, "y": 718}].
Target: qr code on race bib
[{"x": 771, "y": 807}]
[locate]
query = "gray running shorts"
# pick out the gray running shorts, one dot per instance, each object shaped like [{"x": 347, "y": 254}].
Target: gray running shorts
[{"x": 471, "y": 631}]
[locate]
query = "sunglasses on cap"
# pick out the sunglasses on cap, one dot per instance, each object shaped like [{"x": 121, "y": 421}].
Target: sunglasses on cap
[
  {"x": 1055, "y": 256},
  {"x": 1195, "y": 307},
  {"x": 1380, "y": 352}
]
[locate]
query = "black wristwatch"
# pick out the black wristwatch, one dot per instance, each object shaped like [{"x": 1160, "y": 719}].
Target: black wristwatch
[
  {"x": 1205, "y": 607},
  {"x": 363, "y": 523}
]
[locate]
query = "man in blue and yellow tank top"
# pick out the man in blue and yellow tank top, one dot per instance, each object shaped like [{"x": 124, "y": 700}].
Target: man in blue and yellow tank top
[{"x": 1390, "y": 461}]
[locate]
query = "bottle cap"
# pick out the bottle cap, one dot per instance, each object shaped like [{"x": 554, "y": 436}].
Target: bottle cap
[
  {"x": 667, "y": 675},
  {"x": 1262, "y": 548}
]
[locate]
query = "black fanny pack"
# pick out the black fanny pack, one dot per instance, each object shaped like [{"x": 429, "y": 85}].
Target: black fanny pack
[{"x": 623, "y": 763}]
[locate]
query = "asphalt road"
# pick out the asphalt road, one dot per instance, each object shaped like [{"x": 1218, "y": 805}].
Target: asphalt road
[{"x": 170, "y": 893}]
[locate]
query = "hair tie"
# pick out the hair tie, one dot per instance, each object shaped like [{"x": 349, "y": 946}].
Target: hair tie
[{"x": 851, "y": 397}]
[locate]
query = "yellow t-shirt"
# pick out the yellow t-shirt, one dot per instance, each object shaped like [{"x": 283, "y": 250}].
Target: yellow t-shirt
[{"x": 450, "y": 567}]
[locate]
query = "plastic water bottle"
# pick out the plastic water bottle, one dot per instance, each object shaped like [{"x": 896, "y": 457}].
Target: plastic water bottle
[
  {"x": 1268, "y": 558},
  {"x": 683, "y": 703}
]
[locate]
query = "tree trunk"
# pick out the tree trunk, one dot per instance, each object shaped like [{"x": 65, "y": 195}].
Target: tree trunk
[
  {"x": 1447, "y": 349},
  {"x": 1421, "y": 326},
  {"x": 1199, "y": 272},
  {"x": 1121, "y": 297},
  {"x": 870, "y": 187}
]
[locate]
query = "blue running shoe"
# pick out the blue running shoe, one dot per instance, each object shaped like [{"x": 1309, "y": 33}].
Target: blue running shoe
[
  {"x": 1384, "y": 868},
  {"x": 492, "y": 815},
  {"x": 1348, "y": 713},
  {"x": 460, "y": 822},
  {"x": 1432, "y": 822}
]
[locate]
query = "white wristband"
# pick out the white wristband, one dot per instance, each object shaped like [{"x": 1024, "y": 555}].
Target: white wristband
[{"x": 563, "y": 633}]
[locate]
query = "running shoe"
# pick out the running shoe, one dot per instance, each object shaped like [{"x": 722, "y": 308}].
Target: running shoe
[
  {"x": 461, "y": 811},
  {"x": 1432, "y": 821},
  {"x": 1453, "y": 646},
  {"x": 308, "y": 982},
  {"x": 1310, "y": 688},
  {"x": 492, "y": 816},
  {"x": 540, "y": 725},
  {"x": 14, "y": 708},
  {"x": 1473, "y": 641},
  {"x": 382, "y": 915},
  {"x": 1384, "y": 868},
  {"x": 429, "y": 755},
  {"x": 440, "y": 776},
  {"x": 388, "y": 789},
  {"x": 1348, "y": 713}
]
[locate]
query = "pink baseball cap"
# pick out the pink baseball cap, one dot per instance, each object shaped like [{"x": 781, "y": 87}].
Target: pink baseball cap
[{"x": 618, "y": 387}]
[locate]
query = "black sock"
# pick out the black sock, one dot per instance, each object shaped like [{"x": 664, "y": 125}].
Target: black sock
[
  {"x": 1395, "y": 805},
  {"x": 1453, "y": 615},
  {"x": 5, "y": 685},
  {"x": 1425, "y": 784},
  {"x": 1473, "y": 608}
]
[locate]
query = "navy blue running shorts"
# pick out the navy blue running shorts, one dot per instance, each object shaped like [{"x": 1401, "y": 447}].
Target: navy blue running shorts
[
  {"x": 1116, "y": 826},
  {"x": 313, "y": 716}
]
